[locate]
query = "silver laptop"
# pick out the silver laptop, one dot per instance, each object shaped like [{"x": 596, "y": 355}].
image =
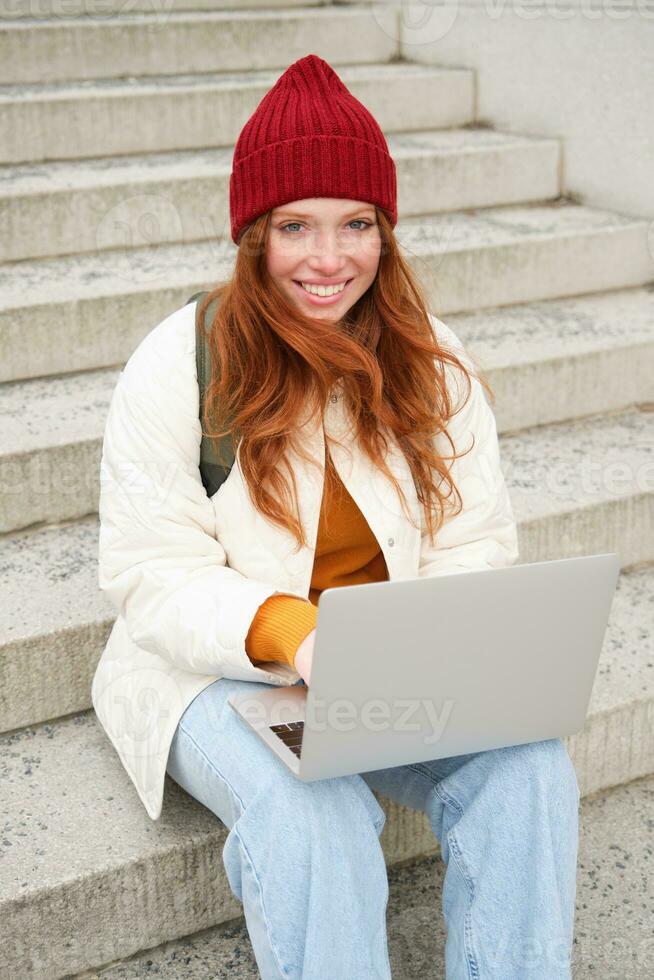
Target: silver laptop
[{"x": 426, "y": 668}]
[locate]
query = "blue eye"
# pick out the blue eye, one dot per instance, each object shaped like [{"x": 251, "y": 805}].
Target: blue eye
[{"x": 355, "y": 221}]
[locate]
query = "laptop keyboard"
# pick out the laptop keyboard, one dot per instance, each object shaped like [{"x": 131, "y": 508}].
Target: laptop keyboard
[{"x": 291, "y": 735}]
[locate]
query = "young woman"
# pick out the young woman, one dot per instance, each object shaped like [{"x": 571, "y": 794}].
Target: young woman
[{"x": 368, "y": 408}]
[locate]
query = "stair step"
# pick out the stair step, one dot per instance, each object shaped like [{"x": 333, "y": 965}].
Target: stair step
[
  {"x": 64, "y": 121},
  {"x": 91, "y": 310},
  {"x": 584, "y": 486},
  {"x": 90, "y": 205},
  {"x": 50, "y": 457},
  {"x": 564, "y": 358},
  {"x": 146, "y": 43},
  {"x": 49, "y": 8},
  {"x": 54, "y": 622},
  {"x": 612, "y": 933},
  {"x": 87, "y": 877}
]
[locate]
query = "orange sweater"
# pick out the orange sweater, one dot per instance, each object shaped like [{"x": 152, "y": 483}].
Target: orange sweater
[{"x": 347, "y": 553}]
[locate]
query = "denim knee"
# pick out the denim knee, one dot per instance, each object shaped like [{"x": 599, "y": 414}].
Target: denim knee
[
  {"x": 333, "y": 802},
  {"x": 548, "y": 761},
  {"x": 309, "y": 818}
]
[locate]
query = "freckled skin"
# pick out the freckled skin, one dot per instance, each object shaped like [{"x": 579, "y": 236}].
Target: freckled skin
[{"x": 331, "y": 241}]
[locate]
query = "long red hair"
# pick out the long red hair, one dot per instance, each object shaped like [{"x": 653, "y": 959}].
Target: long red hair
[{"x": 270, "y": 361}]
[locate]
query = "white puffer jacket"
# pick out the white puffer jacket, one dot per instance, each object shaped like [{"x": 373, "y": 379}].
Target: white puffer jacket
[{"x": 187, "y": 573}]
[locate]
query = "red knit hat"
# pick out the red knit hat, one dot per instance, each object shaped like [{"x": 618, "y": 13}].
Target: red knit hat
[{"x": 309, "y": 137}]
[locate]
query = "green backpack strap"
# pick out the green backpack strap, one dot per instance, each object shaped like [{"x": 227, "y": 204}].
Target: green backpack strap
[{"x": 213, "y": 472}]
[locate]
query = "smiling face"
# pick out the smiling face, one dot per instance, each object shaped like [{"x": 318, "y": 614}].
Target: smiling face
[{"x": 328, "y": 242}]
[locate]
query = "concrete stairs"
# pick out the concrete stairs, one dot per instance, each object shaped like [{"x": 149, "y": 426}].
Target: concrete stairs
[{"x": 117, "y": 136}]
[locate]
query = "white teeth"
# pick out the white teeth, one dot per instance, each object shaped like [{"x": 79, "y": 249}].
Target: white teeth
[{"x": 324, "y": 290}]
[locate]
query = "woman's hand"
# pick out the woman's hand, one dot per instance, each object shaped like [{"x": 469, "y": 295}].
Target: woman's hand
[{"x": 304, "y": 656}]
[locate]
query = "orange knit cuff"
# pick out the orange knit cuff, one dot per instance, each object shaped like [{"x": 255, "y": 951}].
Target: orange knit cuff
[{"x": 279, "y": 626}]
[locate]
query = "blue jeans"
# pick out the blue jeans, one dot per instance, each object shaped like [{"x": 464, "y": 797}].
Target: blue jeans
[{"x": 306, "y": 862}]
